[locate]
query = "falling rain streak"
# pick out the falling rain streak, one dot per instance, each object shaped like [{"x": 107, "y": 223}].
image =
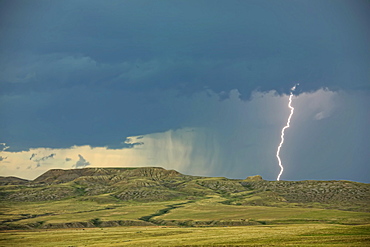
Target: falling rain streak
[{"x": 283, "y": 130}]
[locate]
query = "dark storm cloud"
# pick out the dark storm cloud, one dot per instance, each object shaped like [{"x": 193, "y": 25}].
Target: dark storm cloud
[
  {"x": 93, "y": 73},
  {"x": 81, "y": 116},
  {"x": 32, "y": 156},
  {"x": 81, "y": 163},
  {"x": 186, "y": 45},
  {"x": 51, "y": 156},
  {"x": 126, "y": 144}
]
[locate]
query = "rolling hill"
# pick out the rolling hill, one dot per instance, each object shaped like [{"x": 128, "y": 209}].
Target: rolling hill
[{"x": 92, "y": 197}]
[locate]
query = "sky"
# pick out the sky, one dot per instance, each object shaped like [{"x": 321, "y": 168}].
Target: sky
[{"x": 198, "y": 86}]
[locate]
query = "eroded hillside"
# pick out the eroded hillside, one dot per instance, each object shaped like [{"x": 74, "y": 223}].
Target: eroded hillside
[
  {"x": 158, "y": 184},
  {"x": 102, "y": 197}
]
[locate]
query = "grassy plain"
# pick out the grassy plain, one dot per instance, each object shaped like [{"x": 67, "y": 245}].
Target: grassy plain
[
  {"x": 273, "y": 235},
  {"x": 78, "y": 211},
  {"x": 206, "y": 209},
  {"x": 158, "y": 207},
  {"x": 283, "y": 226},
  {"x": 211, "y": 209}
]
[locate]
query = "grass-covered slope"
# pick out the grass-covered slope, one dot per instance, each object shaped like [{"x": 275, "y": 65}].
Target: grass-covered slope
[{"x": 92, "y": 197}]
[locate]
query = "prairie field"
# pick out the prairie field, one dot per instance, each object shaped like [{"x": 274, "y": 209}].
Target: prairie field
[
  {"x": 267, "y": 226},
  {"x": 158, "y": 207},
  {"x": 207, "y": 209},
  {"x": 261, "y": 235}
]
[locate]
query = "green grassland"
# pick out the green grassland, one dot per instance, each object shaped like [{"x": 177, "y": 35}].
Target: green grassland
[
  {"x": 275, "y": 235},
  {"x": 158, "y": 207},
  {"x": 263, "y": 225},
  {"x": 74, "y": 210},
  {"x": 202, "y": 209},
  {"x": 211, "y": 209}
]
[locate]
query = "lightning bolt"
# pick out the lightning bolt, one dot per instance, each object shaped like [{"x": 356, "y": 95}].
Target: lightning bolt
[{"x": 283, "y": 130}]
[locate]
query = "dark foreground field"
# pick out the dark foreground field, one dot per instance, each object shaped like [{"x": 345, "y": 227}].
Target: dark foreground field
[{"x": 261, "y": 235}]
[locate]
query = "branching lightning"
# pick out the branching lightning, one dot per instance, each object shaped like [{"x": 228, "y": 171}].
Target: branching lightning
[{"x": 283, "y": 130}]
